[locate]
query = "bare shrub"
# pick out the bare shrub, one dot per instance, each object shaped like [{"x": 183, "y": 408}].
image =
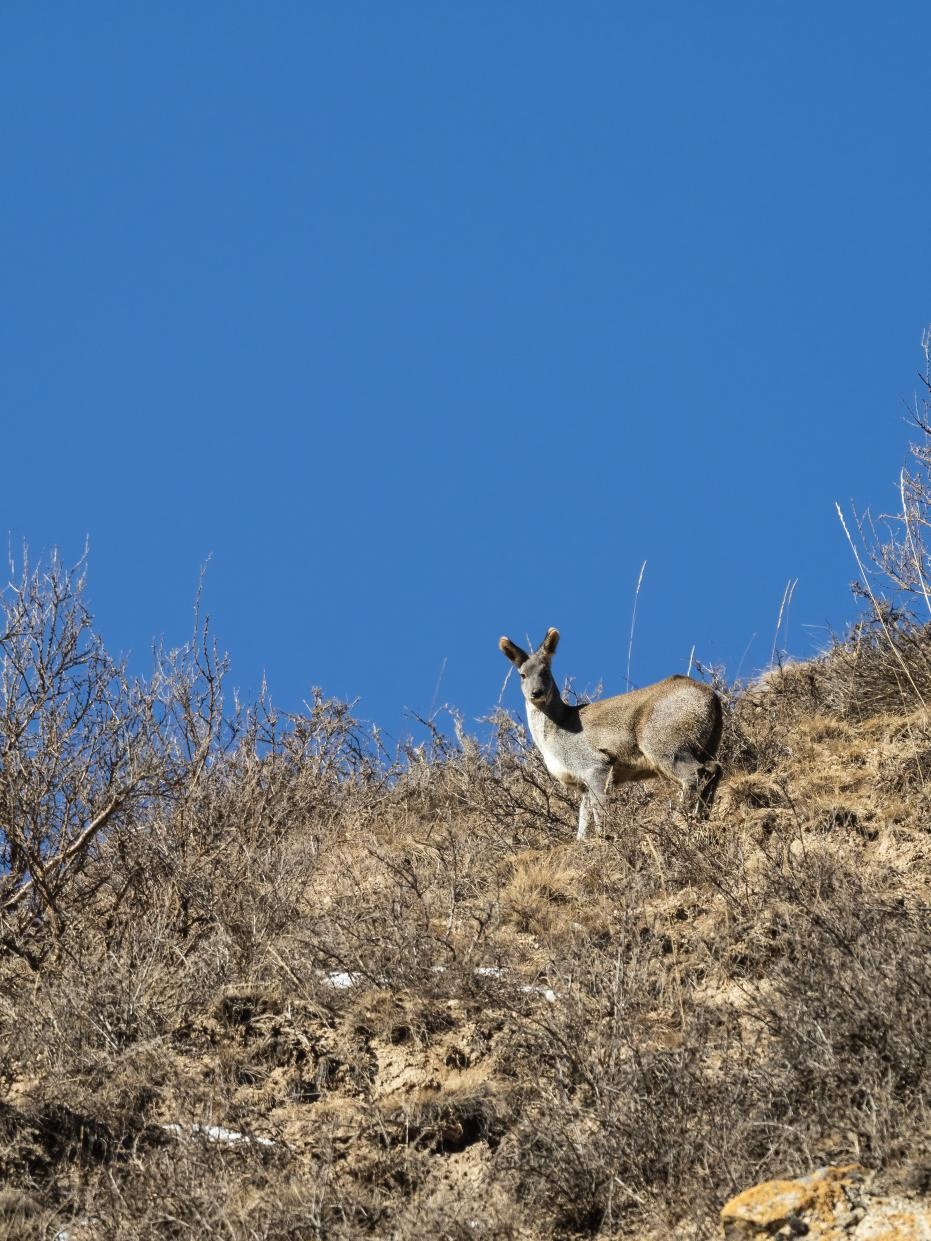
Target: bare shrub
[{"x": 78, "y": 750}]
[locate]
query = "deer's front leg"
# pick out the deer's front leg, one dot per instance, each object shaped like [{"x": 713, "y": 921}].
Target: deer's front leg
[
  {"x": 585, "y": 815},
  {"x": 594, "y": 800}
]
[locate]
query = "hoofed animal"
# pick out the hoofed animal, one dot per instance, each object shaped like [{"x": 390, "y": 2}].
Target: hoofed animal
[{"x": 672, "y": 729}]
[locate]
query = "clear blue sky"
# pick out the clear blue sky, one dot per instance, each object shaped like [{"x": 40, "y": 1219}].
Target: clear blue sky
[{"x": 432, "y": 322}]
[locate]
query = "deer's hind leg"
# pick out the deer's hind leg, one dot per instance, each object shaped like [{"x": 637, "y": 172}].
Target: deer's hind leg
[
  {"x": 697, "y": 779},
  {"x": 711, "y": 774}
]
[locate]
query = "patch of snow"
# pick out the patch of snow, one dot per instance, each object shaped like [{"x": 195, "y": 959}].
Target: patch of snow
[
  {"x": 341, "y": 980},
  {"x": 216, "y": 1133},
  {"x": 548, "y": 994},
  {"x": 495, "y": 971}
]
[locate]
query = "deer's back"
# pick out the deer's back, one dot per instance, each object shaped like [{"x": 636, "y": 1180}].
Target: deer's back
[{"x": 665, "y": 716}]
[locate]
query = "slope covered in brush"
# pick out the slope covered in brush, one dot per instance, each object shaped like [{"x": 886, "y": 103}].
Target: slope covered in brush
[{"x": 291, "y": 986}]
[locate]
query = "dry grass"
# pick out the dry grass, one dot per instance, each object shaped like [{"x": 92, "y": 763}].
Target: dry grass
[{"x": 538, "y": 1037}]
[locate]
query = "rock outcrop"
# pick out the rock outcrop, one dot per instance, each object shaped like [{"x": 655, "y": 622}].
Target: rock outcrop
[{"x": 832, "y": 1204}]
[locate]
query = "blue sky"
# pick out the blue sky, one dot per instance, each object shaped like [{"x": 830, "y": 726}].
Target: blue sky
[{"x": 429, "y": 323}]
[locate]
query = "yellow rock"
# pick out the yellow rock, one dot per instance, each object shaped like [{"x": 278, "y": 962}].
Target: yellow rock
[
  {"x": 832, "y": 1204},
  {"x": 764, "y": 1209},
  {"x": 811, "y": 1206}
]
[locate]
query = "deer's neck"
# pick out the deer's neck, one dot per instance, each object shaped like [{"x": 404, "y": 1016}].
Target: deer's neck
[{"x": 554, "y": 714}]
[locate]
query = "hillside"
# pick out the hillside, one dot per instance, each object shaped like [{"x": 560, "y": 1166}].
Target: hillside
[{"x": 261, "y": 979}]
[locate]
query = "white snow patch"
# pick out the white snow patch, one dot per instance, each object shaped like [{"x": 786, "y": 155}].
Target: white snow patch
[
  {"x": 341, "y": 980},
  {"x": 216, "y": 1133},
  {"x": 548, "y": 994}
]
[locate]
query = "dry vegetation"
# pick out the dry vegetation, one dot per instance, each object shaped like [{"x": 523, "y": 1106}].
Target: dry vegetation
[
  {"x": 538, "y": 1037},
  {"x": 424, "y": 1009}
]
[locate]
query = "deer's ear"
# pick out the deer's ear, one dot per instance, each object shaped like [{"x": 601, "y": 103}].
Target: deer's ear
[
  {"x": 514, "y": 653},
  {"x": 550, "y": 642}
]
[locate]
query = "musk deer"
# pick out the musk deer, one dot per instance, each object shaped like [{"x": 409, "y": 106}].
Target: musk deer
[{"x": 672, "y": 729}]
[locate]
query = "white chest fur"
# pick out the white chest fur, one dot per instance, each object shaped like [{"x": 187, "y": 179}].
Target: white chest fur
[{"x": 556, "y": 746}]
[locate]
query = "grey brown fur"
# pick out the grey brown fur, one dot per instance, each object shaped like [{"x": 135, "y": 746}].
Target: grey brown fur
[{"x": 672, "y": 729}]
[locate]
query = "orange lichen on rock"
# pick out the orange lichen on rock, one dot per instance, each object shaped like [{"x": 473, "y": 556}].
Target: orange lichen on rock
[
  {"x": 784, "y": 1207},
  {"x": 831, "y": 1204}
]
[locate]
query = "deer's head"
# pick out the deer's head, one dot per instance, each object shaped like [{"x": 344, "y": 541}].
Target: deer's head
[{"x": 536, "y": 678}]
